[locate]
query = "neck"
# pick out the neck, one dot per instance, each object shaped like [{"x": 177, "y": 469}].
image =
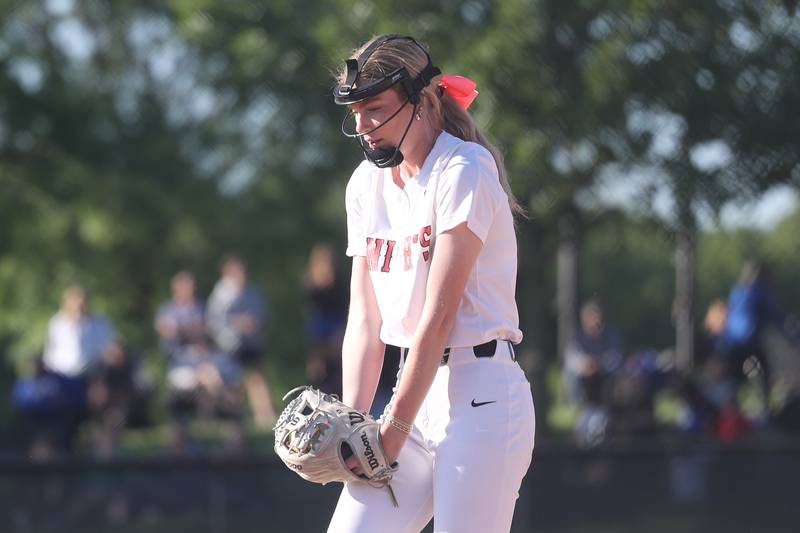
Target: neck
[{"x": 415, "y": 157}]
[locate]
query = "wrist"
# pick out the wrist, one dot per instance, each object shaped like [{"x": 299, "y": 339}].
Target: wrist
[
  {"x": 392, "y": 439},
  {"x": 398, "y": 424}
]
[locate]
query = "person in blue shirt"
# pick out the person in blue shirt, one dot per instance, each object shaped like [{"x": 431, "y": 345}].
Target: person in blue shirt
[{"x": 751, "y": 307}]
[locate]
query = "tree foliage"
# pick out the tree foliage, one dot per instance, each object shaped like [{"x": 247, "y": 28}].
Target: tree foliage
[{"x": 137, "y": 138}]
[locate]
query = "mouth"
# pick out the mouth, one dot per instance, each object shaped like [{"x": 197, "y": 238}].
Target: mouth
[{"x": 373, "y": 143}]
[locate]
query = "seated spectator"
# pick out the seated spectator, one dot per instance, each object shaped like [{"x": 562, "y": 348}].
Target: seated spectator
[
  {"x": 117, "y": 397},
  {"x": 720, "y": 391},
  {"x": 181, "y": 320},
  {"x": 203, "y": 382},
  {"x": 590, "y": 359},
  {"x": 713, "y": 379},
  {"x": 634, "y": 389}
]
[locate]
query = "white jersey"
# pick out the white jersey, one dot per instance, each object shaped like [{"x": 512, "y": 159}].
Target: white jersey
[{"x": 396, "y": 229}]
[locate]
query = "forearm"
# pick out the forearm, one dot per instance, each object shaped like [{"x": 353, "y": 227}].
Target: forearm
[
  {"x": 456, "y": 253},
  {"x": 420, "y": 367},
  {"x": 362, "y": 360}
]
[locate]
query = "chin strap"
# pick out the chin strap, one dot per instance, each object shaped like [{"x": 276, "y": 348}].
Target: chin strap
[{"x": 389, "y": 156}]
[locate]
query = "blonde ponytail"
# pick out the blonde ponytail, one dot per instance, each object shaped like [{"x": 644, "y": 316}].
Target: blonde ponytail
[{"x": 456, "y": 121}]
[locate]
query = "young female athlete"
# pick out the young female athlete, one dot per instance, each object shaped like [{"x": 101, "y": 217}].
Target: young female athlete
[{"x": 431, "y": 233}]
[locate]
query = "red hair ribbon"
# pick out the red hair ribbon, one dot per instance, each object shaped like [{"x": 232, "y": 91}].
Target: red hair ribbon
[{"x": 460, "y": 89}]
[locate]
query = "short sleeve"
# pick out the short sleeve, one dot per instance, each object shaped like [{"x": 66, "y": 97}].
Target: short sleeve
[
  {"x": 469, "y": 191},
  {"x": 354, "y": 204}
]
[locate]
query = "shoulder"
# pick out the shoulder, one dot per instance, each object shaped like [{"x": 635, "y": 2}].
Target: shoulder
[
  {"x": 469, "y": 165},
  {"x": 358, "y": 185},
  {"x": 360, "y": 177},
  {"x": 469, "y": 149},
  {"x": 459, "y": 156},
  {"x": 451, "y": 148}
]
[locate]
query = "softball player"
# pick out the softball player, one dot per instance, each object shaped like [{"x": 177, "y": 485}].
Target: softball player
[{"x": 431, "y": 233}]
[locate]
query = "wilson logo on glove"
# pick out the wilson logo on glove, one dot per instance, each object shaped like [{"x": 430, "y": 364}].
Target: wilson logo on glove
[
  {"x": 368, "y": 453},
  {"x": 316, "y": 433}
]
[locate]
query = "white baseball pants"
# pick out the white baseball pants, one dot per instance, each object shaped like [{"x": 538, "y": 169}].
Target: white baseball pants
[{"x": 464, "y": 461}]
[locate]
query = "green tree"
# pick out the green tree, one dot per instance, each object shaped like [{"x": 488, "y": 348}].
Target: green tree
[{"x": 719, "y": 77}]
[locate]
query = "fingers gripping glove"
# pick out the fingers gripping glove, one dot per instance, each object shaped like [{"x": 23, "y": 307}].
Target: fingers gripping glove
[{"x": 316, "y": 433}]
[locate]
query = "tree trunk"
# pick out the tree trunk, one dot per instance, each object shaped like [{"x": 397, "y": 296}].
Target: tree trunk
[
  {"x": 683, "y": 306},
  {"x": 534, "y": 307},
  {"x": 567, "y": 279}
]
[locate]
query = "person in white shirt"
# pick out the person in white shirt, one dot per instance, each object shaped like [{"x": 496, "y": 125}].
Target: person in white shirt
[
  {"x": 431, "y": 233},
  {"x": 76, "y": 339}
]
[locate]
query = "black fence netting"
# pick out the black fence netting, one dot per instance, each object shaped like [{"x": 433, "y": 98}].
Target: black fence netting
[{"x": 615, "y": 489}]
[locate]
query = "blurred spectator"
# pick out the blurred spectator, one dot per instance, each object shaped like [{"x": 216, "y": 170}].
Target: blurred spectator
[
  {"x": 327, "y": 296},
  {"x": 590, "y": 359},
  {"x": 709, "y": 340},
  {"x": 180, "y": 321},
  {"x": 53, "y": 401},
  {"x": 117, "y": 397},
  {"x": 714, "y": 379},
  {"x": 203, "y": 382},
  {"x": 76, "y": 339},
  {"x": 751, "y": 307},
  {"x": 51, "y": 408},
  {"x": 783, "y": 349},
  {"x": 236, "y": 319},
  {"x": 633, "y": 392}
]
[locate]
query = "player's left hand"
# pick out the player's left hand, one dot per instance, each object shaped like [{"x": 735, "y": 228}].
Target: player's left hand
[{"x": 393, "y": 440}]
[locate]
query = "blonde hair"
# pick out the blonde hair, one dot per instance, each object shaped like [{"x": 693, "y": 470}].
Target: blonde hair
[{"x": 438, "y": 110}]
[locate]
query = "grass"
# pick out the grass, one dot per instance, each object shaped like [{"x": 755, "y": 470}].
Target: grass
[{"x": 206, "y": 436}]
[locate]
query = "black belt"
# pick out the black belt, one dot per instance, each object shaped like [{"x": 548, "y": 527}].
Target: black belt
[{"x": 487, "y": 349}]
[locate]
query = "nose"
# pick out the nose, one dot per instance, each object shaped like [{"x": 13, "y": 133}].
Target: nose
[{"x": 361, "y": 122}]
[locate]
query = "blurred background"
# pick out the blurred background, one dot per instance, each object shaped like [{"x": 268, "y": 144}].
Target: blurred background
[{"x": 172, "y": 239}]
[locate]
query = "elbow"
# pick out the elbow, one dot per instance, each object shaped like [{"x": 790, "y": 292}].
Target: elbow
[
  {"x": 363, "y": 322},
  {"x": 441, "y": 323}
]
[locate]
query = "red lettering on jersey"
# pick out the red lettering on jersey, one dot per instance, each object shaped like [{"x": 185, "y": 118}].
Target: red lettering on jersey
[
  {"x": 407, "y": 252},
  {"x": 425, "y": 241},
  {"x": 374, "y": 248},
  {"x": 388, "y": 258},
  {"x": 373, "y": 252}
]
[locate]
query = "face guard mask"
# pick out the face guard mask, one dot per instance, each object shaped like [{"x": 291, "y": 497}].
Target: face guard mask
[{"x": 347, "y": 93}]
